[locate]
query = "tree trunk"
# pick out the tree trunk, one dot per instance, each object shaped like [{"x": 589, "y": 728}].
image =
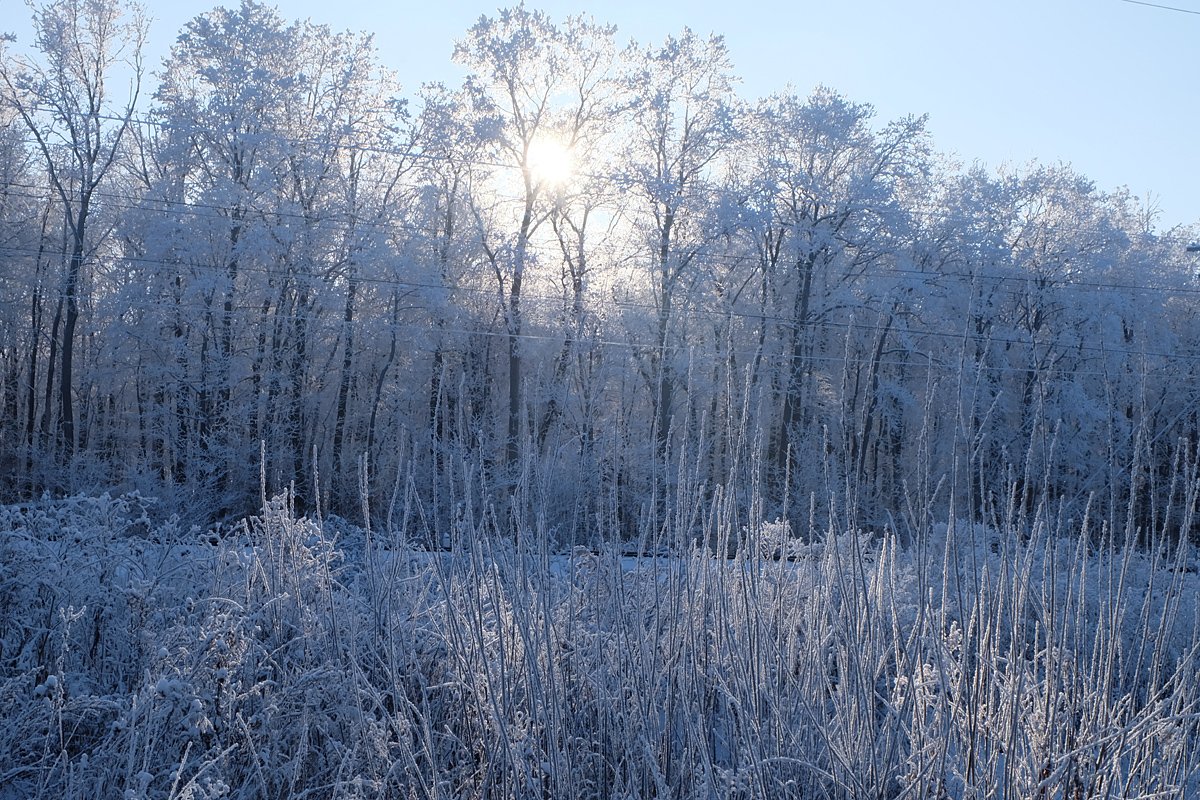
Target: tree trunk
[
  {"x": 512, "y": 449},
  {"x": 66, "y": 413},
  {"x": 339, "y": 423},
  {"x": 51, "y": 363},
  {"x": 666, "y": 372},
  {"x": 799, "y": 368}
]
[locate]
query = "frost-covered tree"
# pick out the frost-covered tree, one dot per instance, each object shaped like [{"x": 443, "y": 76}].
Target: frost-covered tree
[
  {"x": 24, "y": 221},
  {"x": 222, "y": 107},
  {"x": 454, "y": 131},
  {"x": 683, "y": 120},
  {"x": 63, "y": 95},
  {"x": 828, "y": 218},
  {"x": 549, "y": 85},
  {"x": 281, "y": 143}
]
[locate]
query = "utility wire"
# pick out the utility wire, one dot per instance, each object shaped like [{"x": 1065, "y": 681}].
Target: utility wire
[
  {"x": 722, "y": 313},
  {"x": 344, "y": 224},
  {"x": 288, "y": 141},
  {"x": 925, "y": 361},
  {"x": 1164, "y": 8},
  {"x": 691, "y": 314}
]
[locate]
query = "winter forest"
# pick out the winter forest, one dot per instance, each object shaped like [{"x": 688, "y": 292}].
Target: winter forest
[{"x": 587, "y": 429}]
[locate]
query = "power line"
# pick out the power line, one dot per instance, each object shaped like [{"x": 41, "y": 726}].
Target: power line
[
  {"x": 692, "y": 313},
  {"x": 345, "y": 224},
  {"x": 354, "y": 224},
  {"x": 288, "y": 139},
  {"x": 1164, "y": 8},
  {"x": 617, "y": 177},
  {"x": 927, "y": 360}
]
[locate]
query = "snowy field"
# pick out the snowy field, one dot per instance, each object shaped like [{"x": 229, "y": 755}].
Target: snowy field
[{"x": 141, "y": 659}]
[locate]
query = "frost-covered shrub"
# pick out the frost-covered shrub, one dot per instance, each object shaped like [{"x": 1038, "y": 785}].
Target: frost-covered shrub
[{"x": 271, "y": 662}]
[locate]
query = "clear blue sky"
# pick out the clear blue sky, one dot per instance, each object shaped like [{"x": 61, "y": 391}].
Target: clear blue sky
[{"x": 1106, "y": 85}]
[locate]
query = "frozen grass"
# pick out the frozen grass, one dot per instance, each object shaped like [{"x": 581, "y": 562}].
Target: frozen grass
[{"x": 139, "y": 660}]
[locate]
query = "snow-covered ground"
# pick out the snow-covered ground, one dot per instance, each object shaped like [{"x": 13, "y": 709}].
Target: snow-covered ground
[{"x": 143, "y": 659}]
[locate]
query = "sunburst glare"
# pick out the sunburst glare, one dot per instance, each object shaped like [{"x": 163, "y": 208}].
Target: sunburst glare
[{"x": 551, "y": 162}]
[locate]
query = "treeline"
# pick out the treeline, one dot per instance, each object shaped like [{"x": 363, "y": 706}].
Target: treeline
[{"x": 589, "y": 280}]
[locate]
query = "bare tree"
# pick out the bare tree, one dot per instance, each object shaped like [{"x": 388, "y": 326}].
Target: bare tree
[
  {"x": 684, "y": 121},
  {"x": 63, "y": 100},
  {"x": 549, "y": 84}
]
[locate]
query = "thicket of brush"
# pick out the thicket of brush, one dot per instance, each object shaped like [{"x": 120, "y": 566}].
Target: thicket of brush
[{"x": 1034, "y": 656}]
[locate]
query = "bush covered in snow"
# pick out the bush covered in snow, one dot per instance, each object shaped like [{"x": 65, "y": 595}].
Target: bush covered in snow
[{"x": 139, "y": 660}]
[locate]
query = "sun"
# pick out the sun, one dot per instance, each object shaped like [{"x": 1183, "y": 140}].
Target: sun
[{"x": 550, "y": 162}]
